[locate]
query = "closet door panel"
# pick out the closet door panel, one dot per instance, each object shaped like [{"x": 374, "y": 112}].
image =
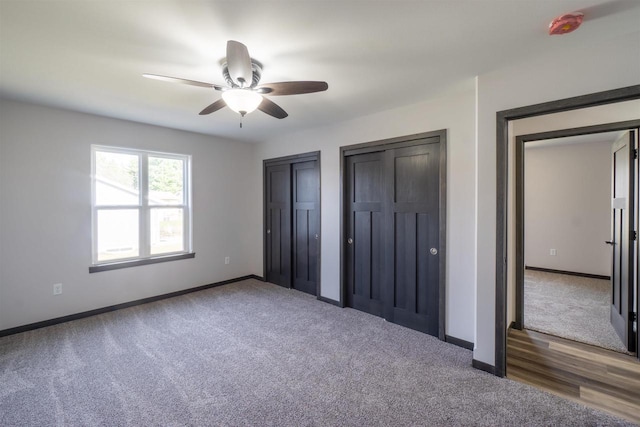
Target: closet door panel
[
  {"x": 412, "y": 268},
  {"x": 364, "y": 245},
  {"x": 278, "y": 225},
  {"x": 306, "y": 194}
]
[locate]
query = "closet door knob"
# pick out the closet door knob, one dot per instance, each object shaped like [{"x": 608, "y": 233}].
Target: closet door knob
[
  {"x": 350, "y": 240},
  {"x": 268, "y": 231},
  {"x": 433, "y": 251}
]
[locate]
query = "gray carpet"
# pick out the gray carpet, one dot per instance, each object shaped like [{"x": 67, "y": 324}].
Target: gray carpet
[
  {"x": 254, "y": 354},
  {"x": 572, "y": 307}
]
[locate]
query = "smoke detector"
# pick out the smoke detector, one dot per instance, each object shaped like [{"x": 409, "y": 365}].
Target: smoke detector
[{"x": 566, "y": 23}]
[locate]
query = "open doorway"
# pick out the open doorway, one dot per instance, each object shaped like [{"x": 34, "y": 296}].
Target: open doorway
[
  {"x": 585, "y": 105},
  {"x": 582, "y": 372},
  {"x": 567, "y": 286}
]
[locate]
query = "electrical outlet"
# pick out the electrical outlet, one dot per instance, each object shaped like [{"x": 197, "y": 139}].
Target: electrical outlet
[
  {"x": 553, "y": 252},
  {"x": 57, "y": 288},
  {"x": 227, "y": 260}
]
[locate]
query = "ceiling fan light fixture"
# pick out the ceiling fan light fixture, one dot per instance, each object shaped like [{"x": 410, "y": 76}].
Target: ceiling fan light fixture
[{"x": 242, "y": 101}]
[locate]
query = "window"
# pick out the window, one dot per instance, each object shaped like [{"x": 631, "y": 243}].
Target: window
[{"x": 140, "y": 205}]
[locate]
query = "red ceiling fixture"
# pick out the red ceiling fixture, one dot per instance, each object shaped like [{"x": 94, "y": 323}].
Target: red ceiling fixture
[{"x": 566, "y": 23}]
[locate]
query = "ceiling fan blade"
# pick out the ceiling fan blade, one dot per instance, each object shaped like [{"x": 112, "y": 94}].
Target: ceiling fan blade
[
  {"x": 214, "y": 107},
  {"x": 271, "y": 108},
  {"x": 184, "y": 81},
  {"x": 239, "y": 63},
  {"x": 291, "y": 88}
]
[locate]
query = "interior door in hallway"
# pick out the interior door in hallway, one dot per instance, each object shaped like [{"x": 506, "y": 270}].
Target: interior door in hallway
[{"x": 622, "y": 229}]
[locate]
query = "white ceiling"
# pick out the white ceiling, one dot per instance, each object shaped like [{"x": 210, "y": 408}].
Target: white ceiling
[{"x": 88, "y": 55}]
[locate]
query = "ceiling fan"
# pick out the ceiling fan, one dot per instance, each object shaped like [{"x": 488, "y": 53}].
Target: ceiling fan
[{"x": 243, "y": 94}]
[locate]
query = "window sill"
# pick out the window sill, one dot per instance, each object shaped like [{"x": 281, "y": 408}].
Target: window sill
[{"x": 137, "y": 262}]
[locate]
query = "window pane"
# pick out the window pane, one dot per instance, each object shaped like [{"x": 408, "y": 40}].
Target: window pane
[
  {"x": 167, "y": 226},
  {"x": 166, "y": 181},
  {"x": 117, "y": 178},
  {"x": 117, "y": 234}
]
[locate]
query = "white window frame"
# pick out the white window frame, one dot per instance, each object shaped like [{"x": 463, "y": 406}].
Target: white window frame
[{"x": 144, "y": 209}]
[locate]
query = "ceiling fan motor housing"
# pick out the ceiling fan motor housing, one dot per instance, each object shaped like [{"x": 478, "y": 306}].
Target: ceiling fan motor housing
[{"x": 256, "y": 69}]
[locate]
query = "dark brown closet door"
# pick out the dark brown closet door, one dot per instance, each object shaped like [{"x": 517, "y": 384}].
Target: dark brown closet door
[
  {"x": 392, "y": 232},
  {"x": 365, "y": 247},
  {"x": 306, "y": 194},
  {"x": 411, "y": 231},
  {"x": 278, "y": 222}
]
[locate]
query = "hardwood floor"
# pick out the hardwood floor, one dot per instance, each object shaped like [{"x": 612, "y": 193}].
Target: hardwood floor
[{"x": 586, "y": 374}]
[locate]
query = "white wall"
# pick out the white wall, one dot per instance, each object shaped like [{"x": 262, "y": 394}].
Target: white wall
[
  {"x": 45, "y": 213},
  {"x": 596, "y": 66},
  {"x": 568, "y": 207},
  {"x": 454, "y": 111}
]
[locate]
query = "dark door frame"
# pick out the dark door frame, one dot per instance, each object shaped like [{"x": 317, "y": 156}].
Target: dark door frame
[
  {"x": 382, "y": 145},
  {"x": 521, "y": 140},
  {"x": 289, "y": 160},
  {"x": 502, "y": 163}
]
